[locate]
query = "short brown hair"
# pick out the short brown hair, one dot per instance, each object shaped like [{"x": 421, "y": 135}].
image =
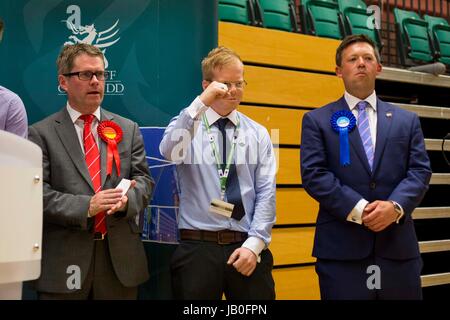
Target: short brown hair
[
  {"x": 355, "y": 38},
  {"x": 217, "y": 58},
  {"x": 69, "y": 52}
]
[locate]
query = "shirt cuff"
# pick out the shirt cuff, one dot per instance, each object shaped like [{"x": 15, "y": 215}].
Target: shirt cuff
[
  {"x": 402, "y": 212},
  {"x": 196, "y": 108},
  {"x": 356, "y": 214},
  {"x": 254, "y": 244}
]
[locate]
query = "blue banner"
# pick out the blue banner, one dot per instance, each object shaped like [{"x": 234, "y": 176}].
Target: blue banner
[
  {"x": 153, "y": 51},
  {"x": 160, "y": 218}
]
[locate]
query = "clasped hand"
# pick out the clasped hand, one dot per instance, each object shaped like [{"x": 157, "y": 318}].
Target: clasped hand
[
  {"x": 109, "y": 200},
  {"x": 378, "y": 215}
]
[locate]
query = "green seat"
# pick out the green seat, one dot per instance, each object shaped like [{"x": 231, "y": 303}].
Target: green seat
[
  {"x": 440, "y": 34},
  {"x": 237, "y": 11},
  {"x": 277, "y": 14},
  {"x": 413, "y": 42},
  {"x": 355, "y": 16},
  {"x": 321, "y": 18}
]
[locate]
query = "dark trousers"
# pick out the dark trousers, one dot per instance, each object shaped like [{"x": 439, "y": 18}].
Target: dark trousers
[
  {"x": 360, "y": 279},
  {"x": 101, "y": 282},
  {"x": 200, "y": 271}
]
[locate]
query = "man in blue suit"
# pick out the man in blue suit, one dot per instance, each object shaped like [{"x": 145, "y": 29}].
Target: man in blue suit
[{"x": 364, "y": 161}]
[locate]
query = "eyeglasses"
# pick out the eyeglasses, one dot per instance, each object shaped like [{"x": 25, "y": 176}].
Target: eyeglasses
[
  {"x": 237, "y": 84},
  {"x": 87, "y": 75}
]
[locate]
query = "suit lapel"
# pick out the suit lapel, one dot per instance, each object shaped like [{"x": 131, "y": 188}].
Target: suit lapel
[
  {"x": 69, "y": 139},
  {"x": 103, "y": 149},
  {"x": 355, "y": 138},
  {"x": 385, "y": 115}
]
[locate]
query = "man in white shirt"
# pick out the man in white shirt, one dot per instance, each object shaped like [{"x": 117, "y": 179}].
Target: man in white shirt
[{"x": 226, "y": 170}]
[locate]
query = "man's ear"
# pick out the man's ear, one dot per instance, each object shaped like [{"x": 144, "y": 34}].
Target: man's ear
[
  {"x": 338, "y": 71},
  {"x": 379, "y": 68},
  {"x": 205, "y": 84},
  {"x": 62, "y": 82}
]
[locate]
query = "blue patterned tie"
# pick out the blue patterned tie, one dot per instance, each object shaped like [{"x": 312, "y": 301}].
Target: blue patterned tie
[{"x": 364, "y": 131}]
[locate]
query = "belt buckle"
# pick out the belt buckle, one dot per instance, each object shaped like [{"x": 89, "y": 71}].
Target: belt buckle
[
  {"x": 219, "y": 238},
  {"x": 99, "y": 236}
]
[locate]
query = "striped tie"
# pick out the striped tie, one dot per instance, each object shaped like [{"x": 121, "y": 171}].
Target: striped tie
[
  {"x": 364, "y": 131},
  {"x": 92, "y": 156}
]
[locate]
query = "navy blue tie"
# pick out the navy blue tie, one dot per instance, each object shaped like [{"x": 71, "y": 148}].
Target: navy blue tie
[{"x": 233, "y": 191}]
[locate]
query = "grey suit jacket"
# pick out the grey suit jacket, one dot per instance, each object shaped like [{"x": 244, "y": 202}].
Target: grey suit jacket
[{"x": 67, "y": 235}]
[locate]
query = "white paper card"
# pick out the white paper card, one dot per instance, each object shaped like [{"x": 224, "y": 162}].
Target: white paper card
[{"x": 124, "y": 185}]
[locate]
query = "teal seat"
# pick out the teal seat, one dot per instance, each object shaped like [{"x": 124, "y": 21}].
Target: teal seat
[
  {"x": 321, "y": 18},
  {"x": 277, "y": 14},
  {"x": 355, "y": 17},
  {"x": 237, "y": 11},
  {"x": 440, "y": 34},
  {"x": 413, "y": 41}
]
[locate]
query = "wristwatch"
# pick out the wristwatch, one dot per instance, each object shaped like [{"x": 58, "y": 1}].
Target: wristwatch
[{"x": 397, "y": 209}]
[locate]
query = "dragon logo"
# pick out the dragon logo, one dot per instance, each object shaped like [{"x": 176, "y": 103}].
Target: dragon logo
[{"x": 88, "y": 34}]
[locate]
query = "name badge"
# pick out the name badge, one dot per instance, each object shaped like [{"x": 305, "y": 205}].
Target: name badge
[{"x": 221, "y": 207}]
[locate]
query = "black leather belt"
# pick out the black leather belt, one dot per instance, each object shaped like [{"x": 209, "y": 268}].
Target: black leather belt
[
  {"x": 219, "y": 237},
  {"x": 99, "y": 236}
]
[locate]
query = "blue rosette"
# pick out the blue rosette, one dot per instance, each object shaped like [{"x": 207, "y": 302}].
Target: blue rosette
[{"x": 343, "y": 122}]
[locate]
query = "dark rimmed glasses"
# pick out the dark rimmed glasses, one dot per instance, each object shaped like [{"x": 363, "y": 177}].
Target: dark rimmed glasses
[{"x": 87, "y": 75}]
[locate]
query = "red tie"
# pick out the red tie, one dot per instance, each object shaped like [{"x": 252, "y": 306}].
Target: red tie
[{"x": 92, "y": 156}]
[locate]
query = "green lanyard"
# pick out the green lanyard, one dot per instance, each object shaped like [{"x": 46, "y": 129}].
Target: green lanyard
[{"x": 223, "y": 174}]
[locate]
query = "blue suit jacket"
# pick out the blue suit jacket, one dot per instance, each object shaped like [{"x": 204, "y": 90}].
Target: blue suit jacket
[{"x": 401, "y": 172}]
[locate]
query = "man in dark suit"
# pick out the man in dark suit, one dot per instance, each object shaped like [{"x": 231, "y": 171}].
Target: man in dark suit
[
  {"x": 91, "y": 241},
  {"x": 365, "y": 243}
]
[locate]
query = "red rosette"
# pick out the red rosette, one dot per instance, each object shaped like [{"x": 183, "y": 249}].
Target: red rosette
[{"x": 112, "y": 134}]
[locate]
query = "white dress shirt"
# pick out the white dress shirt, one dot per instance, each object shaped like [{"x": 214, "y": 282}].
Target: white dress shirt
[
  {"x": 356, "y": 214},
  {"x": 79, "y": 124},
  {"x": 185, "y": 141},
  {"x": 371, "y": 110},
  {"x": 79, "y": 127}
]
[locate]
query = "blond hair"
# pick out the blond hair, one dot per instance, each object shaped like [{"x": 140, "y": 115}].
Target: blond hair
[
  {"x": 216, "y": 59},
  {"x": 69, "y": 52}
]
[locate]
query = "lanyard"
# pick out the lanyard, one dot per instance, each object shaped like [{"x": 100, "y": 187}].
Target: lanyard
[{"x": 223, "y": 174}]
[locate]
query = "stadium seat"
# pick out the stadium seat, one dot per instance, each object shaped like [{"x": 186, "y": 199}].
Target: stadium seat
[
  {"x": 413, "y": 42},
  {"x": 238, "y": 11},
  {"x": 277, "y": 14},
  {"x": 321, "y": 18},
  {"x": 440, "y": 34},
  {"x": 355, "y": 17}
]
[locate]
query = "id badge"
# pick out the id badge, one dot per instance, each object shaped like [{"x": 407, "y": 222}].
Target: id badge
[{"x": 221, "y": 207}]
